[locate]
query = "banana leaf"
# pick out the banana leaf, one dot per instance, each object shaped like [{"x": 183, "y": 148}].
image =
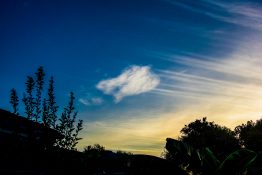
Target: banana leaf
[{"x": 237, "y": 162}]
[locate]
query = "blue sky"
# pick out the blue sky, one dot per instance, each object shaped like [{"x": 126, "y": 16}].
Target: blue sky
[{"x": 140, "y": 69}]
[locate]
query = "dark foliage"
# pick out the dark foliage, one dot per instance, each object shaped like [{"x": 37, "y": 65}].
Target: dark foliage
[
  {"x": 201, "y": 134},
  {"x": 250, "y": 135},
  {"x": 203, "y": 161},
  {"x": 94, "y": 151}
]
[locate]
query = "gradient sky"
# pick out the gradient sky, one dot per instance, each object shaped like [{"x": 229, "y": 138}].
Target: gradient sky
[{"x": 140, "y": 69}]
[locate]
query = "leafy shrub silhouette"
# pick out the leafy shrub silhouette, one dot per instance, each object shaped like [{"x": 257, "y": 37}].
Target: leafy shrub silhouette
[{"x": 204, "y": 160}]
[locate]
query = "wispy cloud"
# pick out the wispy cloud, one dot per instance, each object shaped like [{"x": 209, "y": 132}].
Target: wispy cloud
[
  {"x": 132, "y": 81},
  {"x": 244, "y": 14},
  {"x": 227, "y": 90},
  {"x": 91, "y": 101},
  {"x": 84, "y": 101},
  {"x": 233, "y": 80}
]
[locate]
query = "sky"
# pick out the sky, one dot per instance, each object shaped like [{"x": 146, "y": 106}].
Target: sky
[{"x": 140, "y": 69}]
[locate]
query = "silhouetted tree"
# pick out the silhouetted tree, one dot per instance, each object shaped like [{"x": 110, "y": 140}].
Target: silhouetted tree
[
  {"x": 201, "y": 134},
  {"x": 95, "y": 151},
  {"x": 67, "y": 126},
  {"x": 28, "y": 98},
  {"x": 14, "y": 101},
  {"x": 51, "y": 105},
  {"x": 123, "y": 153},
  {"x": 45, "y": 114},
  {"x": 204, "y": 161},
  {"x": 250, "y": 135},
  {"x": 35, "y": 107},
  {"x": 39, "y": 87}
]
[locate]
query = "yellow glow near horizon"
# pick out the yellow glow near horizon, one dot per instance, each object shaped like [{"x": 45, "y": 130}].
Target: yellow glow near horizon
[{"x": 148, "y": 136}]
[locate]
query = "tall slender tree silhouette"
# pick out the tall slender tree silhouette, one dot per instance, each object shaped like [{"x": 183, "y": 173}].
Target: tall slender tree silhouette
[
  {"x": 28, "y": 98},
  {"x": 14, "y": 101},
  {"x": 39, "y": 82},
  {"x": 51, "y": 103},
  {"x": 67, "y": 126}
]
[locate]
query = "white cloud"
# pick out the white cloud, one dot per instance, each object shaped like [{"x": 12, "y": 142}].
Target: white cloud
[
  {"x": 92, "y": 101},
  {"x": 134, "y": 80}
]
